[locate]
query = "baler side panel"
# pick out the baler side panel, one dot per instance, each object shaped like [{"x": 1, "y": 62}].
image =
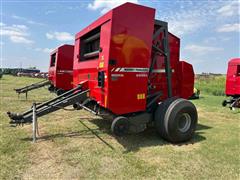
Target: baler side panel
[
  {"x": 88, "y": 69},
  {"x": 64, "y": 66},
  {"x": 185, "y": 79},
  {"x": 131, "y": 44},
  {"x": 231, "y": 80},
  {"x": 52, "y": 69}
]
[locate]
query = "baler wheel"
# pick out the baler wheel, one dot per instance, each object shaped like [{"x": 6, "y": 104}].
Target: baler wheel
[
  {"x": 224, "y": 103},
  {"x": 120, "y": 126},
  {"x": 60, "y": 92},
  {"x": 176, "y": 120}
]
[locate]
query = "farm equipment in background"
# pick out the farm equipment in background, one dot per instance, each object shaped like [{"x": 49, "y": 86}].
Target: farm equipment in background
[
  {"x": 232, "y": 89},
  {"x": 60, "y": 73},
  {"x": 130, "y": 73},
  {"x": 196, "y": 94}
]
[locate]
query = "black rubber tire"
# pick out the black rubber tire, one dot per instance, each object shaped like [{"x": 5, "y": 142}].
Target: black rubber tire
[
  {"x": 224, "y": 103},
  {"x": 60, "y": 92},
  {"x": 120, "y": 126},
  {"x": 168, "y": 118}
]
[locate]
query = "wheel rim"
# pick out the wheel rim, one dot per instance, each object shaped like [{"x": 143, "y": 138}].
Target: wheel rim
[
  {"x": 184, "y": 122},
  {"x": 121, "y": 128}
]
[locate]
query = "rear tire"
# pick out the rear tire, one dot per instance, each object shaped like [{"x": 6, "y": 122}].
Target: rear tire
[
  {"x": 120, "y": 126},
  {"x": 176, "y": 120}
]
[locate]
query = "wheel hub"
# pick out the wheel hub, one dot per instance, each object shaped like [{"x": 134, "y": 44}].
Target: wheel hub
[{"x": 184, "y": 122}]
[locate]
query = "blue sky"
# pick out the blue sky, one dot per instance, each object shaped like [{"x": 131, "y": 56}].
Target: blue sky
[{"x": 209, "y": 30}]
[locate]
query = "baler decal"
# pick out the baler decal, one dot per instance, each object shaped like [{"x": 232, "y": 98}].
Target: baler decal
[
  {"x": 141, "y": 96},
  {"x": 160, "y": 71},
  {"x": 101, "y": 64},
  {"x": 126, "y": 69}
]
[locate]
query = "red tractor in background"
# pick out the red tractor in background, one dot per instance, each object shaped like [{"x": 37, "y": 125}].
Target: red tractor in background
[
  {"x": 60, "y": 72},
  {"x": 126, "y": 66},
  {"x": 233, "y": 84}
]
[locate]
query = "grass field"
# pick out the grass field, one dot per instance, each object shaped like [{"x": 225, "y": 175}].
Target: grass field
[
  {"x": 213, "y": 85},
  {"x": 67, "y": 149}
]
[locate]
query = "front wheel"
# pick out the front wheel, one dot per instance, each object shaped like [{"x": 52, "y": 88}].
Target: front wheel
[
  {"x": 176, "y": 120},
  {"x": 120, "y": 126}
]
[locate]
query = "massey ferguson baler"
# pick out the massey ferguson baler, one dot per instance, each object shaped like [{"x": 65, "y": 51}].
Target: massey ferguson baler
[
  {"x": 60, "y": 72},
  {"x": 233, "y": 84},
  {"x": 126, "y": 66}
]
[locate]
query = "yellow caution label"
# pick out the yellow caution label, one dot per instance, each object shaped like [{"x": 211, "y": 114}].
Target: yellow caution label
[
  {"x": 101, "y": 64},
  {"x": 141, "y": 96}
]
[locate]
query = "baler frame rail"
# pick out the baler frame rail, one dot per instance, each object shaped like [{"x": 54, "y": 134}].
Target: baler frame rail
[
  {"x": 163, "y": 28},
  {"x": 71, "y": 97},
  {"x": 32, "y": 87}
]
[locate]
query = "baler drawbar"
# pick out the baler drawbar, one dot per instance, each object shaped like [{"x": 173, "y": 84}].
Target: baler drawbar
[
  {"x": 32, "y": 87},
  {"x": 69, "y": 98}
]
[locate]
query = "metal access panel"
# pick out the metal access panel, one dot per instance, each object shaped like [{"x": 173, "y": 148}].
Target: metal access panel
[
  {"x": 118, "y": 45},
  {"x": 233, "y": 78},
  {"x": 60, "y": 71}
]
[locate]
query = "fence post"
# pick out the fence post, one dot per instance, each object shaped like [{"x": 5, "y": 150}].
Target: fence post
[{"x": 34, "y": 122}]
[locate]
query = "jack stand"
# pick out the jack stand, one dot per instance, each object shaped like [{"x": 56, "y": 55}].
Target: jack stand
[{"x": 34, "y": 124}]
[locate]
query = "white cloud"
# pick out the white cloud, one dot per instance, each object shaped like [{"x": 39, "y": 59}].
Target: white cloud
[
  {"x": 190, "y": 17},
  {"x": 16, "y": 33},
  {"x": 60, "y": 36},
  {"x": 229, "y": 9},
  {"x": 45, "y": 50},
  {"x": 29, "y": 21},
  {"x": 198, "y": 49},
  {"x": 20, "y": 39},
  {"x": 229, "y": 28},
  {"x": 106, "y": 5}
]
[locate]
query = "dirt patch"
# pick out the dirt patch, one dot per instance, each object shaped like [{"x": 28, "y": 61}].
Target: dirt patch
[{"x": 45, "y": 162}]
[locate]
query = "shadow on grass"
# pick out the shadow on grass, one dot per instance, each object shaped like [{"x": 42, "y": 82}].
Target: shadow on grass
[
  {"x": 131, "y": 142},
  {"x": 147, "y": 138}
]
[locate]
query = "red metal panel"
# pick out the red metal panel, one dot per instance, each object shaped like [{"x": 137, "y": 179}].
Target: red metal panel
[
  {"x": 131, "y": 41},
  {"x": 233, "y": 78},
  {"x": 185, "y": 80},
  {"x": 61, "y": 74}
]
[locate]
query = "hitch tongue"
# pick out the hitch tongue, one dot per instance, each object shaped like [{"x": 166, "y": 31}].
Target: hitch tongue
[{"x": 16, "y": 118}]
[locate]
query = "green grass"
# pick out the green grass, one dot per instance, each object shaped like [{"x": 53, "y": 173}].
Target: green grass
[
  {"x": 67, "y": 149},
  {"x": 213, "y": 85}
]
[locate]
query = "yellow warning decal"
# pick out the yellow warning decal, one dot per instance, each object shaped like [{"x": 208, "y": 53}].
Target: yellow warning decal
[
  {"x": 141, "y": 96},
  {"x": 101, "y": 64},
  {"x": 105, "y": 102}
]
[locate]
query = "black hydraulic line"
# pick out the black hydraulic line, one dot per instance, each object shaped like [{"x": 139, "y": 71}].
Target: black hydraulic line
[{"x": 154, "y": 100}]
